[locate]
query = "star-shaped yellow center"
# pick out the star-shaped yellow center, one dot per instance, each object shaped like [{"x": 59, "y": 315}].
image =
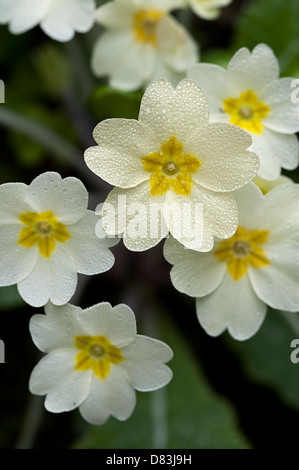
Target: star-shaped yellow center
[
  {"x": 43, "y": 230},
  {"x": 145, "y": 25},
  {"x": 242, "y": 250},
  {"x": 171, "y": 168},
  {"x": 246, "y": 111},
  {"x": 96, "y": 353}
]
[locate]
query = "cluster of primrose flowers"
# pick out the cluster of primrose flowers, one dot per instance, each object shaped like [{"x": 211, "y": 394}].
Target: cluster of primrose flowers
[
  {"x": 141, "y": 40},
  {"x": 201, "y": 165}
]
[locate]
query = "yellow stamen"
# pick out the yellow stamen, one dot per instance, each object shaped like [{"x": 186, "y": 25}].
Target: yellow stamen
[
  {"x": 145, "y": 25},
  {"x": 42, "y": 230},
  {"x": 96, "y": 353},
  {"x": 246, "y": 111},
  {"x": 242, "y": 250},
  {"x": 171, "y": 168}
]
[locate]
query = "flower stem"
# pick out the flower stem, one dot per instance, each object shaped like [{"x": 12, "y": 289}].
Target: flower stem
[
  {"x": 159, "y": 420},
  {"x": 49, "y": 139},
  {"x": 32, "y": 421}
]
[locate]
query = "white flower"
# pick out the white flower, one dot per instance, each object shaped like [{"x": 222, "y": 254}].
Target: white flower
[
  {"x": 172, "y": 164},
  {"x": 258, "y": 266},
  {"x": 59, "y": 19},
  {"x": 142, "y": 42},
  {"x": 47, "y": 235},
  {"x": 249, "y": 94},
  {"x": 95, "y": 360},
  {"x": 207, "y": 9}
]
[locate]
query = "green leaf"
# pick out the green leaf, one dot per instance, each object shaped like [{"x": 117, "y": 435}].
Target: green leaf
[
  {"x": 106, "y": 102},
  {"x": 217, "y": 56},
  {"x": 274, "y": 22},
  {"x": 29, "y": 152},
  {"x": 266, "y": 356},
  {"x": 10, "y": 298},
  {"x": 185, "y": 414}
]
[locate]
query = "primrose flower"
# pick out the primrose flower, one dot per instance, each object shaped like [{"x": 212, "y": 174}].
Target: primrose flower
[
  {"x": 256, "y": 267},
  {"x": 206, "y": 9},
  {"x": 250, "y": 95},
  {"x": 95, "y": 361},
  {"x": 47, "y": 235},
  {"x": 142, "y": 42},
  {"x": 173, "y": 171},
  {"x": 59, "y": 19}
]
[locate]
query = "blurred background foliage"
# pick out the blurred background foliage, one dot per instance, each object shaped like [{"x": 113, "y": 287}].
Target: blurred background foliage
[{"x": 224, "y": 394}]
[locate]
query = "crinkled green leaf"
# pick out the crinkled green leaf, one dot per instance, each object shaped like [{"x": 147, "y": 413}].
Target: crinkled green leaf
[
  {"x": 274, "y": 22},
  {"x": 10, "y": 298},
  {"x": 106, "y": 102},
  {"x": 266, "y": 356}
]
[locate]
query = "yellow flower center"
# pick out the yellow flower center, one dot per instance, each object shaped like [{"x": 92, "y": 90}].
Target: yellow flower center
[
  {"x": 145, "y": 25},
  {"x": 242, "y": 250},
  {"x": 246, "y": 111},
  {"x": 171, "y": 168},
  {"x": 96, "y": 353},
  {"x": 42, "y": 230}
]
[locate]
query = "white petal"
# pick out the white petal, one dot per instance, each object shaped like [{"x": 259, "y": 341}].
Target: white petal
[
  {"x": 196, "y": 274},
  {"x": 16, "y": 261},
  {"x": 147, "y": 350},
  {"x": 135, "y": 68},
  {"x": 53, "y": 279},
  {"x": 90, "y": 253},
  {"x": 55, "y": 375},
  {"x": 176, "y": 46},
  {"x": 137, "y": 214},
  {"x": 162, "y": 70},
  {"x": 250, "y": 202},
  {"x": 226, "y": 164},
  {"x": 112, "y": 396},
  {"x": 281, "y": 213},
  {"x": 212, "y": 79},
  {"x": 233, "y": 305},
  {"x": 173, "y": 251},
  {"x": 266, "y": 185},
  {"x": 275, "y": 151},
  {"x": 121, "y": 145},
  {"x": 117, "y": 14},
  {"x": 251, "y": 71},
  {"x": 196, "y": 229},
  {"x": 118, "y": 324},
  {"x": 284, "y": 114},
  {"x": 208, "y": 10},
  {"x": 66, "y": 198},
  {"x": 12, "y": 197},
  {"x": 122, "y": 396},
  {"x": 109, "y": 49},
  {"x": 166, "y": 5},
  {"x": 277, "y": 283},
  {"x": 128, "y": 64},
  {"x": 169, "y": 111},
  {"x": 144, "y": 363},
  {"x": 22, "y": 15},
  {"x": 7, "y": 8},
  {"x": 66, "y": 17},
  {"x": 57, "y": 329}
]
